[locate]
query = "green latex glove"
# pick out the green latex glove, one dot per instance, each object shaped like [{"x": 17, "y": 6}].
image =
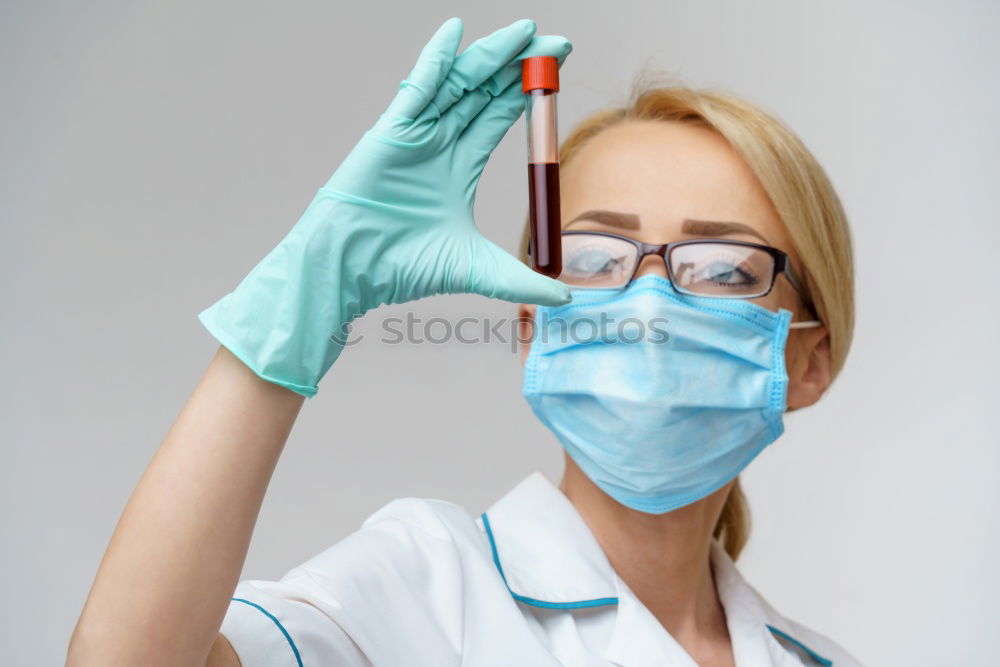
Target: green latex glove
[{"x": 394, "y": 223}]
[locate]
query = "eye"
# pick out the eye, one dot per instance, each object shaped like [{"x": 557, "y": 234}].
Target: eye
[
  {"x": 593, "y": 261},
  {"x": 721, "y": 270},
  {"x": 726, "y": 273}
]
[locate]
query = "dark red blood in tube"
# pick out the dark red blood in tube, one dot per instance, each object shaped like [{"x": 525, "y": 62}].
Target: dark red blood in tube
[
  {"x": 546, "y": 230},
  {"x": 540, "y": 85}
]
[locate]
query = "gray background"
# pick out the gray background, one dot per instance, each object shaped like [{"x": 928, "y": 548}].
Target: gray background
[{"x": 153, "y": 152}]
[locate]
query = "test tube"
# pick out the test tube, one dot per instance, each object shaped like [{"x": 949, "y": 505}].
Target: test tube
[{"x": 540, "y": 83}]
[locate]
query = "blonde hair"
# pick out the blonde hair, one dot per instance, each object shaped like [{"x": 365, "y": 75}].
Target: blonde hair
[{"x": 798, "y": 188}]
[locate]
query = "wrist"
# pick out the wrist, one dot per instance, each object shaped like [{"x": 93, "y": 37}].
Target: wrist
[{"x": 285, "y": 320}]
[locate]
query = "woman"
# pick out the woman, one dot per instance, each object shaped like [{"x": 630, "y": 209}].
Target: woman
[{"x": 630, "y": 560}]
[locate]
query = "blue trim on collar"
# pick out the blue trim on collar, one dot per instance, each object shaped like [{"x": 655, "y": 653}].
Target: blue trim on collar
[
  {"x": 597, "y": 602},
  {"x": 826, "y": 662},
  {"x": 580, "y": 604}
]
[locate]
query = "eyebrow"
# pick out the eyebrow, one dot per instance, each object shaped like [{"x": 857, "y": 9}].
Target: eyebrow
[
  {"x": 611, "y": 218},
  {"x": 716, "y": 228},
  {"x": 690, "y": 226}
]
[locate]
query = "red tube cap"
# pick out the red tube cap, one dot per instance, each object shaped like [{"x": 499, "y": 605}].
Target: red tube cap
[{"x": 539, "y": 72}]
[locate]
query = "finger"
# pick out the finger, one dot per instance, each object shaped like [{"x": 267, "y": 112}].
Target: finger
[
  {"x": 432, "y": 66},
  {"x": 481, "y": 60},
  {"x": 484, "y": 132},
  {"x": 496, "y": 112},
  {"x": 540, "y": 45},
  {"x": 462, "y": 112},
  {"x": 500, "y": 275}
]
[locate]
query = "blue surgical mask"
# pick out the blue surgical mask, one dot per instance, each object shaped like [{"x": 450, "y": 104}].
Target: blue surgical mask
[{"x": 659, "y": 397}]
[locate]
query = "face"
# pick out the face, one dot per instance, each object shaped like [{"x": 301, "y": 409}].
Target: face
[{"x": 673, "y": 182}]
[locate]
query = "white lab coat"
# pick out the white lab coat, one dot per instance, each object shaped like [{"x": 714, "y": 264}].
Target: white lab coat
[{"x": 526, "y": 584}]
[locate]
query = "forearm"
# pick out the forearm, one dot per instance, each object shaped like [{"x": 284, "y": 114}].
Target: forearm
[{"x": 176, "y": 555}]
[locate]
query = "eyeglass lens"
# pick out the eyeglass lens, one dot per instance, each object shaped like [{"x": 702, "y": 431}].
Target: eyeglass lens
[{"x": 707, "y": 269}]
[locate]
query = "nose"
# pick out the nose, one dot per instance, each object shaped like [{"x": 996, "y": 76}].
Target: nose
[{"x": 652, "y": 264}]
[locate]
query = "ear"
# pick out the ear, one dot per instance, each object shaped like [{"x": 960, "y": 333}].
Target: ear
[
  {"x": 525, "y": 328},
  {"x": 808, "y": 366}
]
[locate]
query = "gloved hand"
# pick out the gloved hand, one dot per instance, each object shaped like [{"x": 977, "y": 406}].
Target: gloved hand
[{"x": 394, "y": 223}]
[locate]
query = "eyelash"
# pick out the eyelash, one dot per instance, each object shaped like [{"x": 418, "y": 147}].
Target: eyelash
[{"x": 742, "y": 267}]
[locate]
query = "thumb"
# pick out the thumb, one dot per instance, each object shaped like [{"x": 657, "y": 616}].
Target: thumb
[{"x": 499, "y": 275}]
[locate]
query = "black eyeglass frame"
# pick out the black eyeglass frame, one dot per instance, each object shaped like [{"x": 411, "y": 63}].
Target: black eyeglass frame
[{"x": 782, "y": 264}]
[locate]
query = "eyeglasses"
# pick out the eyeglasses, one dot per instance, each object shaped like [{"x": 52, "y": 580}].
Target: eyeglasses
[{"x": 701, "y": 267}]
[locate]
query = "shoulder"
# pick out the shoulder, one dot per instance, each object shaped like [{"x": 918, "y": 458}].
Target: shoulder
[
  {"x": 421, "y": 525},
  {"x": 412, "y": 553},
  {"x": 408, "y": 572},
  {"x": 441, "y": 518}
]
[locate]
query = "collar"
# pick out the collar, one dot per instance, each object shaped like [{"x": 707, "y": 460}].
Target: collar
[
  {"x": 544, "y": 551},
  {"x": 748, "y": 613},
  {"x": 548, "y": 557}
]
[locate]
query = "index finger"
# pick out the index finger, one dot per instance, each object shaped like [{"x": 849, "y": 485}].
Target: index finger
[
  {"x": 540, "y": 45},
  {"x": 481, "y": 60},
  {"x": 432, "y": 66}
]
